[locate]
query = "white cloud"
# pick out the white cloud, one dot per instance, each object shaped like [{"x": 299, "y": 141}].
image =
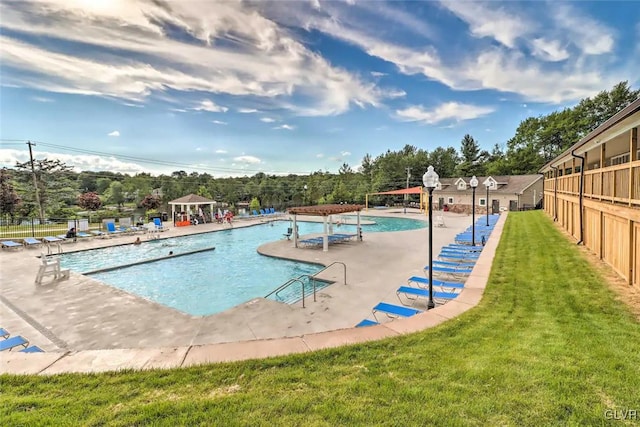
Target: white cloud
[
  {"x": 9, "y": 157},
  {"x": 319, "y": 155},
  {"x": 589, "y": 35},
  {"x": 247, "y": 110},
  {"x": 494, "y": 22},
  {"x": 378, "y": 74},
  {"x": 285, "y": 127},
  {"x": 345, "y": 153},
  {"x": 447, "y": 111},
  {"x": 42, "y": 99},
  {"x": 267, "y": 120},
  {"x": 208, "y": 105},
  {"x": 263, "y": 60},
  {"x": 247, "y": 160},
  {"x": 114, "y": 133},
  {"x": 218, "y": 122},
  {"x": 221, "y": 151},
  {"x": 549, "y": 50}
]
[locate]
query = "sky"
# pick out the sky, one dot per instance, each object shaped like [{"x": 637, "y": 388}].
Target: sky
[{"x": 233, "y": 88}]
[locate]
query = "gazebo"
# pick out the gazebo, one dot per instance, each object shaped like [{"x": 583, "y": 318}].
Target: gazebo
[
  {"x": 185, "y": 203},
  {"x": 325, "y": 211}
]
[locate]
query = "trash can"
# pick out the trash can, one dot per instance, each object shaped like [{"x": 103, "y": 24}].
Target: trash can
[{"x": 165, "y": 216}]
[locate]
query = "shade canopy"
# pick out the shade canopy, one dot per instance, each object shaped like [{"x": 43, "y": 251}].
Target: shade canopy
[
  {"x": 412, "y": 190},
  {"x": 324, "y": 210}
]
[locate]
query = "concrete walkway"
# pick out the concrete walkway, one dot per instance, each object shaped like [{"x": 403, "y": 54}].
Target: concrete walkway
[{"x": 87, "y": 326}]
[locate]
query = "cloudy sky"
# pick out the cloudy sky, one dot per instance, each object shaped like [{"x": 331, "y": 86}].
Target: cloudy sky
[{"x": 239, "y": 87}]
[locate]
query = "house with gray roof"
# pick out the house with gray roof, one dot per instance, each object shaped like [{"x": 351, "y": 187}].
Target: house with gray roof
[{"x": 506, "y": 192}]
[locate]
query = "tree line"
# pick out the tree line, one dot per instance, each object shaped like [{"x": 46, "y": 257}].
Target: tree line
[{"x": 537, "y": 140}]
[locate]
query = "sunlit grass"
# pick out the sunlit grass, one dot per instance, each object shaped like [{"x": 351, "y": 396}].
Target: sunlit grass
[{"x": 548, "y": 345}]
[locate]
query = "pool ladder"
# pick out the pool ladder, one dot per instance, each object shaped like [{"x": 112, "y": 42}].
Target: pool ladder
[{"x": 312, "y": 278}]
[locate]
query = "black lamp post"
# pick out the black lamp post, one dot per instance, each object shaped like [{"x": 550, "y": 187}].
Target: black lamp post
[
  {"x": 430, "y": 180},
  {"x": 304, "y": 197},
  {"x": 487, "y": 183},
  {"x": 473, "y": 183}
]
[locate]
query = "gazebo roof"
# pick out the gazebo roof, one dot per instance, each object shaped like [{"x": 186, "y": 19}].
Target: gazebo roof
[
  {"x": 324, "y": 210},
  {"x": 192, "y": 199}
]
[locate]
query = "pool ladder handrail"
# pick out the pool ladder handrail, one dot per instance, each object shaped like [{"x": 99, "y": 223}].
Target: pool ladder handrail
[{"x": 313, "y": 280}]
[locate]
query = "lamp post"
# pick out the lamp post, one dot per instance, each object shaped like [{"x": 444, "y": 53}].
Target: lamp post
[
  {"x": 430, "y": 180},
  {"x": 304, "y": 197},
  {"x": 487, "y": 183},
  {"x": 473, "y": 183}
]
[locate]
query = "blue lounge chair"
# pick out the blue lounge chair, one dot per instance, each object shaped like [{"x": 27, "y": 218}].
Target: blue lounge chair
[
  {"x": 111, "y": 228},
  {"x": 158, "y": 223},
  {"x": 420, "y": 281},
  {"x": 52, "y": 239},
  {"x": 394, "y": 311},
  {"x": 31, "y": 241},
  {"x": 11, "y": 343},
  {"x": 32, "y": 349},
  {"x": 454, "y": 264},
  {"x": 412, "y": 294},
  {"x": 83, "y": 235},
  {"x": 10, "y": 244},
  {"x": 454, "y": 273},
  {"x": 4, "y": 333},
  {"x": 366, "y": 322}
]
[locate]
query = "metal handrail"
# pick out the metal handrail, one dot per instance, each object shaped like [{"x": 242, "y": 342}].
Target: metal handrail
[{"x": 313, "y": 280}]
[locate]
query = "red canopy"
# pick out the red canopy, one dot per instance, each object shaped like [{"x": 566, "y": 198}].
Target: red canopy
[{"x": 412, "y": 190}]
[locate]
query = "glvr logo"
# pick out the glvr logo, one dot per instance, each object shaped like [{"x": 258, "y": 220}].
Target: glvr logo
[{"x": 621, "y": 414}]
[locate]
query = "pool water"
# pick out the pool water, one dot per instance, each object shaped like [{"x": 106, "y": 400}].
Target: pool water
[{"x": 209, "y": 282}]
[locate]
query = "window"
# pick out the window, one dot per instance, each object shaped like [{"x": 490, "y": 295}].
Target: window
[
  {"x": 462, "y": 186},
  {"x": 621, "y": 159},
  {"x": 483, "y": 202},
  {"x": 450, "y": 200},
  {"x": 567, "y": 171}
]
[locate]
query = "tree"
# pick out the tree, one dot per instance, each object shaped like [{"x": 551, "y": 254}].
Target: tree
[
  {"x": 115, "y": 193},
  {"x": 89, "y": 201},
  {"x": 150, "y": 202},
  {"x": 472, "y": 162},
  {"x": 9, "y": 199}
]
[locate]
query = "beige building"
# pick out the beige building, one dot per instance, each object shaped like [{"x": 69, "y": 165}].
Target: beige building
[
  {"x": 506, "y": 192},
  {"x": 593, "y": 191}
]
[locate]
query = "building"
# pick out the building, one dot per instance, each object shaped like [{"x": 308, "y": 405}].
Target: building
[
  {"x": 593, "y": 191},
  {"x": 508, "y": 192}
]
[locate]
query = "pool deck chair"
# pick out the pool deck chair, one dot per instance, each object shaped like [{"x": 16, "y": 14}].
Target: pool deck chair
[
  {"x": 31, "y": 241},
  {"x": 83, "y": 235},
  {"x": 394, "y": 311},
  {"x": 413, "y": 294},
  {"x": 448, "y": 271},
  {"x": 4, "y": 333},
  {"x": 423, "y": 281},
  {"x": 111, "y": 229},
  {"x": 13, "y": 342},
  {"x": 10, "y": 244},
  {"x": 32, "y": 349},
  {"x": 158, "y": 223},
  {"x": 366, "y": 322}
]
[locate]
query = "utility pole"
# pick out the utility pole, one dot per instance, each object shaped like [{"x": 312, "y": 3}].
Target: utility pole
[
  {"x": 406, "y": 196},
  {"x": 35, "y": 181}
]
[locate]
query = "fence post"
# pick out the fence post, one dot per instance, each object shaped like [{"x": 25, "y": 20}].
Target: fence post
[{"x": 33, "y": 229}]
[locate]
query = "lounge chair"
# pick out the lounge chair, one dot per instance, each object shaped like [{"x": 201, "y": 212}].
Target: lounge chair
[
  {"x": 31, "y": 241},
  {"x": 394, "y": 311},
  {"x": 366, "y": 322},
  {"x": 111, "y": 229},
  {"x": 424, "y": 282},
  {"x": 11, "y": 343},
  {"x": 412, "y": 294},
  {"x": 158, "y": 223},
  {"x": 460, "y": 263},
  {"x": 4, "y": 333},
  {"x": 32, "y": 349},
  {"x": 10, "y": 244},
  {"x": 83, "y": 235},
  {"x": 449, "y": 271}
]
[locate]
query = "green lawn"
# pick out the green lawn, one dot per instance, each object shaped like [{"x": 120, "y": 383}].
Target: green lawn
[{"x": 548, "y": 345}]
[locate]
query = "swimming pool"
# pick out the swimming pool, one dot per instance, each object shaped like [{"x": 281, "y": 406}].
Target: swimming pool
[{"x": 213, "y": 281}]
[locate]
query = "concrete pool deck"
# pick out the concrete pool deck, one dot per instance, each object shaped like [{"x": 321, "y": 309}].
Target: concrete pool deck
[{"x": 86, "y": 326}]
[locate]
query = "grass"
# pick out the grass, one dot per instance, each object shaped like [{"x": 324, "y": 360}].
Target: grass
[{"x": 548, "y": 345}]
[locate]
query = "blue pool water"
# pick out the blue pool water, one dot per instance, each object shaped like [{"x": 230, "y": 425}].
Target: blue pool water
[{"x": 213, "y": 281}]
